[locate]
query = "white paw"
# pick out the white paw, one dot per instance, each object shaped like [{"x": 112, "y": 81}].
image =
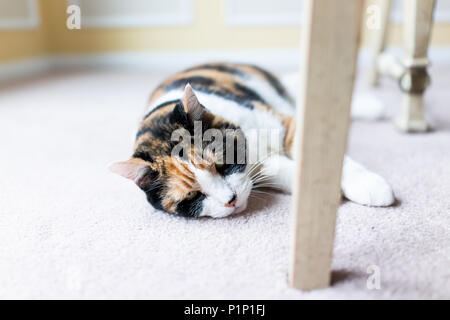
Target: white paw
[
  {"x": 369, "y": 189},
  {"x": 366, "y": 106}
]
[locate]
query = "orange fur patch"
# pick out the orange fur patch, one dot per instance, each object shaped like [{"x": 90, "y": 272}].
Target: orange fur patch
[{"x": 288, "y": 141}]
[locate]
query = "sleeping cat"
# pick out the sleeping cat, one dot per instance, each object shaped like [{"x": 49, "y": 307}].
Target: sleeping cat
[{"x": 195, "y": 180}]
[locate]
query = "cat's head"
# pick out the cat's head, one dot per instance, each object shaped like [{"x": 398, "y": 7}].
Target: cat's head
[{"x": 178, "y": 176}]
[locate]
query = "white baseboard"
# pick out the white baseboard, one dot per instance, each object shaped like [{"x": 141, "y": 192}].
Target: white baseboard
[
  {"x": 173, "y": 60},
  {"x": 170, "y": 61},
  {"x": 24, "y": 68},
  {"x": 438, "y": 55},
  {"x": 282, "y": 60}
]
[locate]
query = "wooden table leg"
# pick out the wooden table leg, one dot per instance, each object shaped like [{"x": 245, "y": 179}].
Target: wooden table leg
[
  {"x": 417, "y": 31},
  {"x": 379, "y": 39},
  {"x": 331, "y": 39}
]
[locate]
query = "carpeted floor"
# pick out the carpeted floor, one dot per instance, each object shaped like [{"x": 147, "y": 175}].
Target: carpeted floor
[{"x": 70, "y": 229}]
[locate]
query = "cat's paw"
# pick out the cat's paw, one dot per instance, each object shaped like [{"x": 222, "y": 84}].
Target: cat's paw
[
  {"x": 369, "y": 189},
  {"x": 367, "y": 106}
]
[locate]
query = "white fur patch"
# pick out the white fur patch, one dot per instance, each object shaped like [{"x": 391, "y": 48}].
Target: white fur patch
[
  {"x": 242, "y": 186},
  {"x": 365, "y": 187},
  {"x": 366, "y": 106},
  {"x": 219, "y": 190}
]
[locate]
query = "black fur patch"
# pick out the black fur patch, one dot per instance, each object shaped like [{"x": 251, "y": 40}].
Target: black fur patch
[
  {"x": 152, "y": 187},
  {"x": 248, "y": 93},
  {"x": 195, "y": 82},
  {"x": 162, "y": 105},
  {"x": 191, "y": 208},
  {"x": 179, "y": 116},
  {"x": 142, "y": 152},
  {"x": 161, "y": 127},
  {"x": 229, "y": 169},
  {"x": 274, "y": 82},
  {"x": 236, "y": 162},
  {"x": 218, "y": 67},
  {"x": 203, "y": 84},
  {"x": 226, "y": 94}
]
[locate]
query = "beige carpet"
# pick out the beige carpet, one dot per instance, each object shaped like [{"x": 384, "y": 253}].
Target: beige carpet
[{"x": 70, "y": 229}]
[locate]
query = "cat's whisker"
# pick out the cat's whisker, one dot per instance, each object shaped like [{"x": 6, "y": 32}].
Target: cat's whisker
[
  {"x": 259, "y": 163},
  {"x": 253, "y": 169},
  {"x": 257, "y": 197},
  {"x": 261, "y": 192},
  {"x": 261, "y": 179},
  {"x": 259, "y": 174},
  {"x": 265, "y": 184},
  {"x": 260, "y": 196},
  {"x": 258, "y": 192},
  {"x": 269, "y": 188}
]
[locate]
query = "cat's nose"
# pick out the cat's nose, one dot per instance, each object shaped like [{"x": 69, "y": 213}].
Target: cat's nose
[{"x": 232, "y": 202}]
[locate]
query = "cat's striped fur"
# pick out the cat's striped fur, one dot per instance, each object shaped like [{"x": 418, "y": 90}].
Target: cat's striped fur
[{"x": 248, "y": 86}]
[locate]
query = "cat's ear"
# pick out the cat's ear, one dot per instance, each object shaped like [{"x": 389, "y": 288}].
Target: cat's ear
[
  {"x": 133, "y": 169},
  {"x": 191, "y": 105}
]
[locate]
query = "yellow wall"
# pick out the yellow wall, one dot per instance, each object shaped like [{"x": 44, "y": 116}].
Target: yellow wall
[
  {"x": 209, "y": 31},
  {"x": 22, "y": 44},
  {"x": 440, "y": 35}
]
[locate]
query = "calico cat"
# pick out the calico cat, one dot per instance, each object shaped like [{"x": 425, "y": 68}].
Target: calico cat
[{"x": 225, "y": 97}]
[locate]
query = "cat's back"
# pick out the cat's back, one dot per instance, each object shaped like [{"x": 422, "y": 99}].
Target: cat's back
[{"x": 227, "y": 87}]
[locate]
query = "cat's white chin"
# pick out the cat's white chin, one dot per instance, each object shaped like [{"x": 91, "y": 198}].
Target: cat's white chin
[
  {"x": 221, "y": 214},
  {"x": 224, "y": 212},
  {"x": 242, "y": 187},
  {"x": 240, "y": 208}
]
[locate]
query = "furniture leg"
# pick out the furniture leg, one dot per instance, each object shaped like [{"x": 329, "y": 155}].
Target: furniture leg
[
  {"x": 379, "y": 40},
  {"x": 415, "y": 80},
  {"x": 331, "y": 38}
]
